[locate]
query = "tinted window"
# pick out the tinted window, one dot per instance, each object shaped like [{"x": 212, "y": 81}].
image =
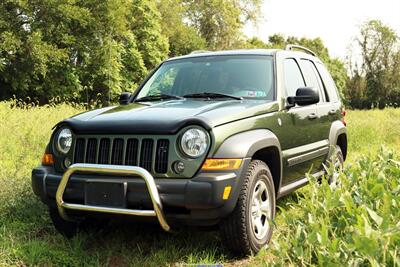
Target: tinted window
[
  {"x": 329, "y": 84},
  {"x": 311, "y": 75},
  {"x": 246, "y": 76},
  {"x": 293, "y": 78}
]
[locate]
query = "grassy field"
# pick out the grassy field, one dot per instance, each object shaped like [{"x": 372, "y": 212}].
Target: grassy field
[{"x": 356, "y": 224}]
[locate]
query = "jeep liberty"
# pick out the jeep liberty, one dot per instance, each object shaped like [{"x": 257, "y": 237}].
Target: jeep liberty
[{"x": 208, "y": 139}]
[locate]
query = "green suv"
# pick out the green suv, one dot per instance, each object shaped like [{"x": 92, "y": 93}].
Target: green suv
[{"x": 208, "y": 139}]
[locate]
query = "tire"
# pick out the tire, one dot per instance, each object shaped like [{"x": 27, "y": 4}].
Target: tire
[
  {"x": 337, "y": 160},
  {"x": 240, "y": 231},
  {"x": 66, "y": 228}
]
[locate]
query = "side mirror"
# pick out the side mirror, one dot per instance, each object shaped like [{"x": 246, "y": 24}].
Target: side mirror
[
  {"x": 124, "y": 98},
  {"x": 304, "y": 96}
]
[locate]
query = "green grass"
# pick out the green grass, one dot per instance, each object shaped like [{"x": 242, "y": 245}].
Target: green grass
[{"x": 317, "y": 226}]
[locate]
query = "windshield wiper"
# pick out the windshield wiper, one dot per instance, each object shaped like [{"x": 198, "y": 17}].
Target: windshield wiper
[
  {"x": 157, "y": 97},
  {"x": 212, "y": 95}
]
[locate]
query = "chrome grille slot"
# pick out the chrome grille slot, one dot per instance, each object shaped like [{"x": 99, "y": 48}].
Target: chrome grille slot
[
  {"x": 161, "y": 164},
  {"x": 104, "y": 151},
  {"x": 146, "y": 154},
  {"x": 131, "y": 152},
  {"x": 79, "y": 150},
  {"x": 117, "y": 152},
  {"x": 91, "y": 150}
]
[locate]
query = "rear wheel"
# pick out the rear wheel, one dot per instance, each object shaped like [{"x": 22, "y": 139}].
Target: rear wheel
[
  {"x": 249, "y": 227},
  {"x": 334, "y": 166}
]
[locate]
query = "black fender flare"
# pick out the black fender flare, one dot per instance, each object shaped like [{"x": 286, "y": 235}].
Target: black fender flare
[
  {"x": 245, "y": 145},
  {"x": 337, "y": 128}
]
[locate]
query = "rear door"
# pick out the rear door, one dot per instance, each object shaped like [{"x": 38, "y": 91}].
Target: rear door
[
  {"x": 323, "y": 109},
  {"x": 329, "y": 110}
]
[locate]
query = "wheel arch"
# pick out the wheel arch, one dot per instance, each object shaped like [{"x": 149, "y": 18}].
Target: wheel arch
[
  {"x": 342, "y": 143},
  {"x": 271, "y": 156},
  {"x": 338, "y": 136},
  {"x": 261, "y": 144}
]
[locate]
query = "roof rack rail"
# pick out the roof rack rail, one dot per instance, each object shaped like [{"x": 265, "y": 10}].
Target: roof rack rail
[
  {"x": 291, "y": 46},
  {"x": 199, "y": 52}
]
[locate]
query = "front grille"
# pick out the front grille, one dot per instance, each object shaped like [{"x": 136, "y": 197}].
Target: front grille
[
  {"x": 104, "y": 151},
  {"x": 161, "y": 164},
  {"x": 147, "y": 153},
  {"x": 80, "y": 151},
  {"x": 91, "y": 150}
]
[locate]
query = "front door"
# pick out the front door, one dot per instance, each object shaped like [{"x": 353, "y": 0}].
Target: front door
[{"x": 301, "y": 142}]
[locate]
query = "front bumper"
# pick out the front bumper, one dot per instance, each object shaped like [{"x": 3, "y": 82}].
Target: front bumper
[{"x": 195, "y": 201}]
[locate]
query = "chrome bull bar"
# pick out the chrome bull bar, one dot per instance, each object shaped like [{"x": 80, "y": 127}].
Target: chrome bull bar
[{"x": 111, "y": 170}]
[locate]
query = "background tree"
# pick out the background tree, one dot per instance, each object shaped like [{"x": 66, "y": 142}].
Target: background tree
[
  {"x": 51, "y": 48},
  {"x": 220, "y": 22},
  {"x": 94, "y": 49},
  {"x": 376, "y": 81},
  {"x": 182, "y": 38}
]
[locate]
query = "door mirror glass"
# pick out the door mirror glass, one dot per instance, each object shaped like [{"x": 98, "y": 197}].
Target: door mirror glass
[
  {"x": 304, "y": 96},
  {"x": 124, "y": 98}
]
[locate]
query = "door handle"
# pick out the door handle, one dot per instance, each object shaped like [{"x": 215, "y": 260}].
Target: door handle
[
  {"x": 332, "y": 112},
  {"x": 312, "y": 116}
]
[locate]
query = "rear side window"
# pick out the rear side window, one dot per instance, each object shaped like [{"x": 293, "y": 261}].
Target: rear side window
[
  {"x": 311, "y": 75},
  {"x": 329, "y": 84},
  {"x": 293, "y": 77}
]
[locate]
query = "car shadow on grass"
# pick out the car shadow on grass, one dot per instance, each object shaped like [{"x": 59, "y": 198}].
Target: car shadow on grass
[{"x": 120, "y": 242}]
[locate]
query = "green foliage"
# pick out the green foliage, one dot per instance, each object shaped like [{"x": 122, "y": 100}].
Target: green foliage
[
  {"x": 354, "y": 224},
  {"x": 77, "y": 48},
  {"x": 376, "y": 83},
  {"x": 83, "y": 50},
  {"x": 340, "y": 226},
  {"x": 182, "y": 37},
  {"x": 220, "y": 22}
]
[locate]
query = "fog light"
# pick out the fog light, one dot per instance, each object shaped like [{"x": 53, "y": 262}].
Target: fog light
[
  {"x": 67, "y": 162},
  {"x": 178, "y": 166}
]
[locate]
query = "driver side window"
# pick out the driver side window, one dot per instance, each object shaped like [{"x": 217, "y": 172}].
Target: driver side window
[{"x": 293, "y": 77}]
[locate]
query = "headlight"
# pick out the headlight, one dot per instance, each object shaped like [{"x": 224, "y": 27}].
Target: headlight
[
  {"x": 194, "y": 142},
  {"x": 64, "y": 140}
]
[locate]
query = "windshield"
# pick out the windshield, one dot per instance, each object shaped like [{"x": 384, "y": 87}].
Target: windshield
[{"x": 243, "y": 76}]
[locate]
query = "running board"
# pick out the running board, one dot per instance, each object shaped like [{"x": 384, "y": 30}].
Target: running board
[{"x": 284, "y": 190}]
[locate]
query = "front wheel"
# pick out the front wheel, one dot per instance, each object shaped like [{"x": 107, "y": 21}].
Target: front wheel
[
  {"x": 249, "y": 227},
  {"x": 66, "y": 228}
]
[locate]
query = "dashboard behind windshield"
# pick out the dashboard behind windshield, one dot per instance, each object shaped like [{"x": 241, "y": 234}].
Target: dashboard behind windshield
[{"x": 244, "y": 76}]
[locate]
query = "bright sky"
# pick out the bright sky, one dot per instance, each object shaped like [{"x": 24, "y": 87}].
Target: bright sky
[{"x": 336, "y": 22}]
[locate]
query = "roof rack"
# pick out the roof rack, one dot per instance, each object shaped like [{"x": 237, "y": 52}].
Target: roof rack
[
  {"x": 291, "y": 46},
  {"x": 199, "y": 52}
]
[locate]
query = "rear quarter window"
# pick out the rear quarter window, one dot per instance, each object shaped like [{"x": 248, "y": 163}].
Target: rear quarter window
[
  {"x": 312, "y": 77},
  {"x": 329, "y": 84}
]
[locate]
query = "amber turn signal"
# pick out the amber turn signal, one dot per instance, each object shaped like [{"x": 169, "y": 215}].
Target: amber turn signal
[
  {"x": 221, "y": 164},
  {"x": 227, "y": 191},
  {"x": 47, "y": 159}
]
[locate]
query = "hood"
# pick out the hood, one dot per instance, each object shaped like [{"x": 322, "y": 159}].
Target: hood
[{"x": 165, "y": 117}]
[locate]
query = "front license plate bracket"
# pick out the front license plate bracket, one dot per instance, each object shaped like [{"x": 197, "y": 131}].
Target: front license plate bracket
[{"x": 105, "y": 194}]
